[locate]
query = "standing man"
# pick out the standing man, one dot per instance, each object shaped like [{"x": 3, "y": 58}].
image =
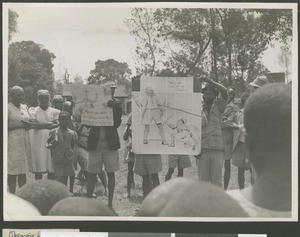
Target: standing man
[
  {"x": 210, "y": 160},
  {"x": 103, "y": 144},
  {"x": 227, "y": 130}
]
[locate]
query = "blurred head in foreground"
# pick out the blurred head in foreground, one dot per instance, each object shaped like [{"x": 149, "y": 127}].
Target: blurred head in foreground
[
  {"x": 80, "y": 206},
  {"x": 267, "y": 121},
  {"x": 16, "y": 208},
  {"x": 43, "y": 194},
  {"x": 182, "y": 197}
]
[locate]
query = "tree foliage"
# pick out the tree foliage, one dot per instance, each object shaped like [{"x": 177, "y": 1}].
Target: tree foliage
[
  {"x": 66, "y": 77},
  {"x": 58, "y": 87},
  {"x": 146, "y": 29},
  {"x": 30, "y": 66},
  {"x": 110, "y": 70},
  {"x": 12, "y": 23},
  {"x": 226, "y": 44}
]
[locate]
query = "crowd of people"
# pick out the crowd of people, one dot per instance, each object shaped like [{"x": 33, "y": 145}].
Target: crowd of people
[{"x": 253, "y": 135}]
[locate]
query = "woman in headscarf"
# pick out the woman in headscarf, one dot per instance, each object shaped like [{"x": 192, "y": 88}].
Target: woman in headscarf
[
  {"x": 19, "y": 152},
  {"x": 46, "y": 118}
]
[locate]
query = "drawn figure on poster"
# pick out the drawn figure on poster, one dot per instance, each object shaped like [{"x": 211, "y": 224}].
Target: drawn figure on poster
[
  {"x": 91, "y": 104},
  {"x": 152, "y": 110},
  {"x": 88, "y": 103},
  {"x": 185, "y": 133}
]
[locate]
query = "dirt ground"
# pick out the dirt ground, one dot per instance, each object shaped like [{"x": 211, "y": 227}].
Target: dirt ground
[{"x": 129, "y": 206}]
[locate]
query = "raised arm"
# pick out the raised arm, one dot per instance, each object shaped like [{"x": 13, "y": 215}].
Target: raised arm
[{"x": 222, "y": 89}]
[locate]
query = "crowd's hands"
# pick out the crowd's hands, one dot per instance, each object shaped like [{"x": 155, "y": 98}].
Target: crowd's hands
[
  {"x": 37, "y": 125},
  {"x": 222, "y": 89},
  {"x": 51, "y": 144},
  {"x": 52, "y": 141},
  {"x": 27, "y": 123}
]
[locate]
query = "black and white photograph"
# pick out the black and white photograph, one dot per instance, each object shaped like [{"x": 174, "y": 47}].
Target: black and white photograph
[{"x": 150, "y": 112}]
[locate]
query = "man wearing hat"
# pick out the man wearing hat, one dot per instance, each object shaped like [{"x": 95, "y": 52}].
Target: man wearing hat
[
  {"x": 210, "y": 160},
  {"x": 259, "y": 82}
]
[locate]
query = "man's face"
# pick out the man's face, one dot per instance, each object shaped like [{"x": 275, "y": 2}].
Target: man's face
[
  {"x": 58, "y": 104},
  {"x": 44, "y": 100},
  {"x": 208, "y": 97},
  {"x": 231, "y": 94},
  {"x": 18, "y": 96},
  {"x": 64, "y": 120}
]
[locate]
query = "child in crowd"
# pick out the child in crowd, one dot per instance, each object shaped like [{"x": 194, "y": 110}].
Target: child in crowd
[
  {"x": 68, "y": 107},
  {"x": 129, "y": 155},
  {"x": 62, "y": 142}
]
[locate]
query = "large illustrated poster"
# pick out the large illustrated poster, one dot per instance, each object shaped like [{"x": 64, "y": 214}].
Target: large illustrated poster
[
  {"x": 91, "y": 104},
  {"x": 166, "y": 115}
]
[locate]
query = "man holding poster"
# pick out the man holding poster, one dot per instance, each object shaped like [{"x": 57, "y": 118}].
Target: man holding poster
[
  {"x": 103, "y": 140},
  {"x": 210, "y": 160}
]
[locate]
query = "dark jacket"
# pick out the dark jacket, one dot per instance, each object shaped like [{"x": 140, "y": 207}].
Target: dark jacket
[{"x": 111, "y": 133}]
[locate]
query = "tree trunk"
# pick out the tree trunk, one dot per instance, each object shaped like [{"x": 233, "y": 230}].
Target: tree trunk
[
  {"x": 214, "y": 50},
  {"x": 229, "y": 62}
]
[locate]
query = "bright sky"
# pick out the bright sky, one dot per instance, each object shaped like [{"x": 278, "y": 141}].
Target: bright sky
[
  {"x": 80, "y": 34},
  {"x": 77, "y": 36}
]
